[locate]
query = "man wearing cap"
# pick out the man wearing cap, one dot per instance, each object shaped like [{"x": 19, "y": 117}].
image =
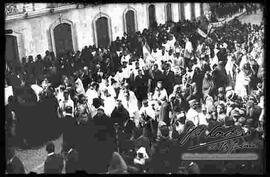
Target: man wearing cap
[
  {"x": 160, "y": 92},
  {"x": 192, "y": 114}
]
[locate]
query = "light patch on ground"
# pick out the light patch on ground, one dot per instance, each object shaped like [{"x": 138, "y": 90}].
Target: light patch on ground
[{"x": 33, "y": 159}]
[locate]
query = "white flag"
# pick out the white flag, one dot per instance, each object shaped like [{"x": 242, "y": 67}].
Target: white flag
[{"x": 147, "y": 56}]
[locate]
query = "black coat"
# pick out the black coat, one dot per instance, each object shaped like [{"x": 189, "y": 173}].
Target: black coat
[
  {"x": 54, "y": 164},
  {"x": 141, "y": 87},
  {"x": 119, "y": 115},
  {"x": 169, "y": 80}
]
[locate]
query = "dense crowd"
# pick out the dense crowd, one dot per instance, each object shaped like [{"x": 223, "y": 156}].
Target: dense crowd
[
  {"x": 123, "y": 110},
  {"x": 222, "y": 10}
]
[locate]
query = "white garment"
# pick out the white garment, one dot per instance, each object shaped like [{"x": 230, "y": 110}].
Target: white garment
[
  {"x": 244, "y": 60},
  {"x": 229, "y": 67},
  {"x": 37, "y": 89},
  {"x": 125, "y": 58},
  {"x": 202, "y": 119},
  {"x": 64, "y": 103},
  {"x": 193, "y": 115},
  {"x": 160, "y": 95},
  {"x": 241, "y": 83},
  {"x": 91, "y": 94},
  {"x": 126, "y": 72},
  {"x": 109, "y": 105},
  {"x": 118, "y": 77},
  {"x": 131, "y": 105},
  {"x": 188, "y": 49},
  {"x": 148, "y": 111},
  {"x": 79, "y": 86},
  {"x": 8, "y": 92}
]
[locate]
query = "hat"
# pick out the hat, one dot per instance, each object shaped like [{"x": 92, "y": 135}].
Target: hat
[
  {"x": 228, "y": 88},
  {"x": 242, "y": 120}
]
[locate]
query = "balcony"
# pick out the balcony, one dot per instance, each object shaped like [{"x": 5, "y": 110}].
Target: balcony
[{"x": 15, "y": 11}]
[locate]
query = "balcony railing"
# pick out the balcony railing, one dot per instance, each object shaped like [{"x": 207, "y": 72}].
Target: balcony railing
[
  {"x": 20, "y": 8},
  {"x": 16, "y": 11},
  {"x": 13, "y": 9}
]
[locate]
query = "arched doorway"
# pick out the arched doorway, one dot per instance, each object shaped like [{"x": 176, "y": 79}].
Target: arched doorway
[
  {"x": 102, "y": 31},
  {"x": 130, "y": 26},
  {"x": 192, "y": 7},
  {"x": 201, "y": 9},
  {"x": 63, "y": 39},
  {"x": 182, "y": 11},
  {"x": 11, "y": 51},
  {"x": 169, "y": 12},
  {"x": 152, "y": 15}
]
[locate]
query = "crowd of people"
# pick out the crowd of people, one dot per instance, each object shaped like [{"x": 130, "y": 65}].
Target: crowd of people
[
  {"x": 126, "y": 108},
  {"x": 222, "y": 10}
]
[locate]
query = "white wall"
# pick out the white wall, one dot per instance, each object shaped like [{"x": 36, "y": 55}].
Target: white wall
[{"x": 34, "y": 37}]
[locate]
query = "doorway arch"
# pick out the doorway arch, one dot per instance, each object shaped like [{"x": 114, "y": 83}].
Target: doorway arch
[
  {"x": 11, "y": 51},
  {"x": 130, "y": 20},
  {"x": 62, "y": 36},
  {"x": 151, "y": 15},
  {"x": 168, "y": 12},
  {"x": 102, "y": 30}
]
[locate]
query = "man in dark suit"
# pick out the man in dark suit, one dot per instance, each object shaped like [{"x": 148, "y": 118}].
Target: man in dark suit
[
  {"x": 169, "y": 79},
  {"x": 54, "y": 163},
  {"x": 140, "y": 86},
  {"x": 156, "y": 75}
]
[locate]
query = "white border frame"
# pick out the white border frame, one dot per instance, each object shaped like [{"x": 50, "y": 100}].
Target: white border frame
[
  {"x": 101, "y": 14},
  {"x": 135, "y": 18},
  {"x": 56, "y": 23}
]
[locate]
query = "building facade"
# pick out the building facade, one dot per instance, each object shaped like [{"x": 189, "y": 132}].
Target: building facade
[{"x": 37, "y": 27}]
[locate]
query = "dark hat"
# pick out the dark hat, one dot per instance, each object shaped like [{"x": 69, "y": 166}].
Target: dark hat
[{"x": 68, "y": 109}]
